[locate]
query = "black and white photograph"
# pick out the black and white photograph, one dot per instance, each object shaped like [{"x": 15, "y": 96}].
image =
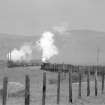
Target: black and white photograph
[{"x": 52, "y": 52}]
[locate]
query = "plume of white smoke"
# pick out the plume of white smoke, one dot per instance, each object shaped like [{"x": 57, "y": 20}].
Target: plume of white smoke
[
  {"x": 62, "y": 28},
  {"x": 24, "y": 54},
  {"x": 46, "y": 45}
]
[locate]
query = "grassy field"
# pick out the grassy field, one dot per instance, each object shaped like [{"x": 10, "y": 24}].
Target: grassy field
[{"x": 18, "y": 75}]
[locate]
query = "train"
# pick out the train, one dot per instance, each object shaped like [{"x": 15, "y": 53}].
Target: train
[
  {"x": 22, "y": 63},
  {"x": 11, "y": 64}
]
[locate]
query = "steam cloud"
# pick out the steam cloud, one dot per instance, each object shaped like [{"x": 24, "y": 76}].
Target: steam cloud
[
  {"x": 46, "y": 45},
  {"x": 24, "y": 54},
  {"x": 62, "y": 28}
]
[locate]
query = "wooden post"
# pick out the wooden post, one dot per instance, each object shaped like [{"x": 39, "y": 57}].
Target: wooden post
[
  {"x": 54, "y": 67},
  {"x": 58, "y": 87},
  {"x": 27, "y": 90},
  {"x": 47, "y": 66},
  {"x": 44, "y": 88},
  {"x": 65, "y": 70},
  {"x": 79, "y": 89},
  {"x": 88, "y": 82},
  {"x": 5, "y": 83},
  {"x": 96, "y": 89},
  {"x": 70, "y": 83},
  {"x": 102, "y": 80}
]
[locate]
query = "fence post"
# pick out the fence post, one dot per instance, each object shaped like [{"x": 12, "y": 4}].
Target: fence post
[
  {"x": 58, "y": 87},
  {"x": 79, "y": 89},
  {"x": 64, "y": 71},
  {"x": 5, "y": 83},
  {"x": 88, "y": 82},
  {"x": 44, "y": 88},
  {"x": 96, "y": 89},
  {"x": 102, "y": 80},
  {"x": 70, "y": 83},
  {"x": 27, "y": 90}
]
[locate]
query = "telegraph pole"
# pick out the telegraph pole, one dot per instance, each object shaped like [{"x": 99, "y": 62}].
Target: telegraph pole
[{"x": 98, "y": 53}]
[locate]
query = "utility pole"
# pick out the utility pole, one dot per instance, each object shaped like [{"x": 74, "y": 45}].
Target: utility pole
[{"x": 98, "y": 53}]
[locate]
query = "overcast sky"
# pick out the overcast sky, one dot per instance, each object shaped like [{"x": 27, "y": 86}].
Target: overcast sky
[{"x": 30, "y": 17}]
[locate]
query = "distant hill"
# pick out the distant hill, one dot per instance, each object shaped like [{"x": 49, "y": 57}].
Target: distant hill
[
  {"x": 76, "y": 46},
  {"x": 8, "y": 42},
  {"x": 80, "y": 47}
]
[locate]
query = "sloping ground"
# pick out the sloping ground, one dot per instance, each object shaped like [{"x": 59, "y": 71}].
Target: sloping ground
[{"x": 99, "y": 100}]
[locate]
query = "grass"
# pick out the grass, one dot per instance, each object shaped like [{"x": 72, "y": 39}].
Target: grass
[{"x": 18, "y": 75}]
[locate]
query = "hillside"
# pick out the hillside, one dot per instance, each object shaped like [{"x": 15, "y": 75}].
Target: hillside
[
  {"x": 75, "y": 46},
  {"x": 8, "y": 42},
  {"x": 80, "y": 47}
]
